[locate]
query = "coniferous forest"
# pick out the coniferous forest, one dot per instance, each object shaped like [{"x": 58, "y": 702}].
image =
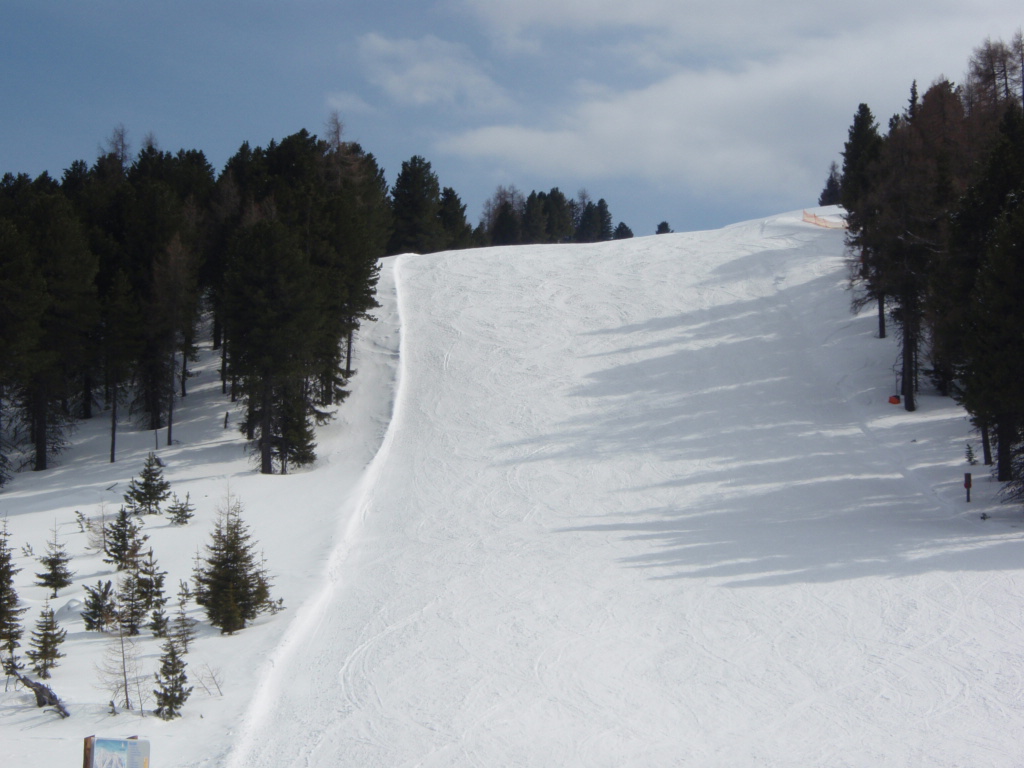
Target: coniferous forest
[
  {"x": 935, "y": 209},
  {"x": 109, "y": 274}
]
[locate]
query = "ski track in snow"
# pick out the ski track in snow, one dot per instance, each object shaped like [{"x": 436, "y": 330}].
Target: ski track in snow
[{"x": 640, "y": 506}]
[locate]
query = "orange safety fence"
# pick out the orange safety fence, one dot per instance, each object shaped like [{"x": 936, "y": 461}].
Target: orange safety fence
[{"x": 821, "y": 221}]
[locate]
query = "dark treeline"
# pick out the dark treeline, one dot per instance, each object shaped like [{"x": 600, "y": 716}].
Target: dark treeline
[
  {"x": 935, "y": 207},
  {"x": 428, "y": 218},
  {"x": 107, "y": 273}
]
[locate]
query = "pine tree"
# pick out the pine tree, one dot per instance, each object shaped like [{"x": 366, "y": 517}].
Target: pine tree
[
  {"x": 151, "y": 589},
  {"x": 57, "y": 574},
  {"x": 832, "y": 193},
  {"x": 100, "y": 606},
  {"x": 173, "y": 690},
  {"x": 131, "y": 605},
  {"x": 232, "y": 587},
  {"x": 622, "y": 232},
  {"x": 452, "y": 214},
  {"x": 10, "y": 613},
  {"x": 46, "y": 641},
  {"x": 146, "y": 494},
  {"x": 22, "y": 303},
  {"x": 65, "y": 267},
  {"x": 416, "y": 206},
  {"x": 180, "y": 511},
  {"x": 123, "y": 541}
]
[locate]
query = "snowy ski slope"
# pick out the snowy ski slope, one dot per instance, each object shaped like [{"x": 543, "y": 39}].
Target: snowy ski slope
[{"x": 640, "y": 503}]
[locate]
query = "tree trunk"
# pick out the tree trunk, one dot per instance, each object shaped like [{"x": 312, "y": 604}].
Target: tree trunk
[
  {"x": 87, "y": 396},
  {"x": 45, "y": 697},
  {"x": 184, "y": 373},
  {"x": 170, "y": 405},
  {"x": 1006, "y": 433},
  {"x": 39, "y": 429},
  {"x": 881, "y": 316},
  {"x": 986, "y": 445},
  {"x": 266, "y": 436},
  {"x": 909, "y": 355},
  {"x": 113, "y": 423}
]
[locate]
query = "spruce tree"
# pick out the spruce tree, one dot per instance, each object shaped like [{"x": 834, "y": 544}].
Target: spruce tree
[
  {"x": 230, "y": 585},
  {"x": 100, "y": 606},
  {"x": 57, "y": 574},
  {"x": 183, "y": 627},
  {"x": 173, "y": 690},
  {"x": 832, "y": 192},
  {"x": 180, "y": 511},
  {"x": 123, "y": 541},
  {"x": 151, "y": 589},
  {"x": 146, "y": 494},
  {"x": 10, "y": 613},
  {"x": 622, "y": 232},
  {"x": 416, "y": 206},
  {"x": 45, "y": 643},
  {"x": 131, "y": 604}
]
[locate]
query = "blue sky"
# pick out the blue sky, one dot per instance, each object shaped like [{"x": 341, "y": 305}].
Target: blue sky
[{"x": 701, "y": 114}]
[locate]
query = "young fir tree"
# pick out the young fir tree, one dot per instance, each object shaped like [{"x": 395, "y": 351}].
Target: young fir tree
[
  {"x": 150, "y": 490},
  {"x": 123, "y": 541},
  {"x": 173, "y": 690},
  {"x": 183, "y": 627},
  {"x": 45, "y": 643},
  {"x": 57, "y": 574},
  {"x": 10, "y": 613},
  {"x": 131, "y": 605},
  {"x": 180, "y": 511},
  {"x": 151, "y": 588},
  {"x": 231, "y": 585},
  {"x": 100, "y": 606}
]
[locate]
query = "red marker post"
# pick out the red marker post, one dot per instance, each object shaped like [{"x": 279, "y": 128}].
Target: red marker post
[{"x": 967, "y": 484}]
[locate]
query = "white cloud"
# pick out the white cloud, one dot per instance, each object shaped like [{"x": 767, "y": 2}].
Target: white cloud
[
  {"x": 429, "y": 72},
  {"x": 348, "y": 103},
  {"x": 745, "y": 29},
  {"x": 752, "y": 127}
]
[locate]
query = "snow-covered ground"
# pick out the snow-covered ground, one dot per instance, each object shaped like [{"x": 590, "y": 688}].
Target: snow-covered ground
[{"x": 640, "y": 503}]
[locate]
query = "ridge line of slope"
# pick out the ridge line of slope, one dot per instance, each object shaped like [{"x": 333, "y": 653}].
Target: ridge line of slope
[{"x": 310, "y": 613}]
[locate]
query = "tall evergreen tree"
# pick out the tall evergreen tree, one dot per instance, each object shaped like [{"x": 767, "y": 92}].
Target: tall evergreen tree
[
  {"x": 452, "y": 213},
  {"x": 416, "y": 206},
  {"x": 10, "y": 610},
  {"x": 51, "y": 376},
  {"x": 558, "y": 212},
  {"x": 604, "y": 219},
  {"x": 860, "y": 154},
  {"x": 269, "y": 316},
  {"x": 832, "y": 193},
  {"x": 22, "y": 303},
  {"x": 535, "y": 219}
]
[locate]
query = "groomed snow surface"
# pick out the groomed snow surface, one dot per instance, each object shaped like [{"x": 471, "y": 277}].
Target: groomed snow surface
[{"x": 641, "y": 503}]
